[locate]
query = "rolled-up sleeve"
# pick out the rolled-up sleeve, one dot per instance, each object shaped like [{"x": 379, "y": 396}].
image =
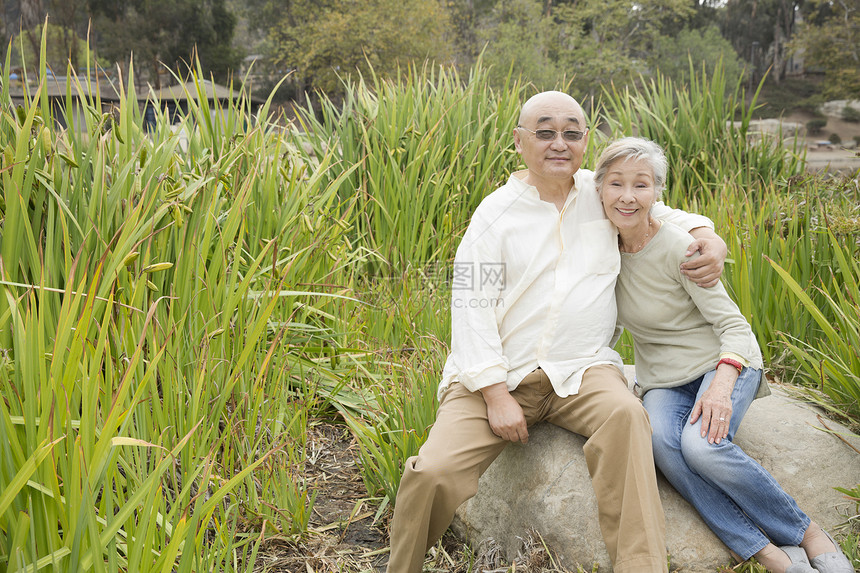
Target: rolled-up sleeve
[
  {"x": 682, "y": 219},
  {"x": 475, "y": 342}
]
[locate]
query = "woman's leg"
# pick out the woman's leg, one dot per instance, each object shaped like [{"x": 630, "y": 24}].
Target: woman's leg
[
  {"x": 669, "y": 410},
  {"x": 728, "y": 468}
]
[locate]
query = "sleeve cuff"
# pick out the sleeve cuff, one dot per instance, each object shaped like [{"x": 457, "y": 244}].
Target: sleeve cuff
[
  {"x": 476, "y": 378},
  {"x": 733, "y": 356},
  {"x": 696, "y": 221},
  {"x": 682, "y": 219}
]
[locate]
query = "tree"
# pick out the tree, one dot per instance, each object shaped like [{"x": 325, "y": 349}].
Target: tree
[
  {"x": 166, "y": 33},
  {"x": 760, "y": 30},
  {"x": 70, "y": 16},
  {"x": 264, "y": 15},
  {"x": 61, "y": 45},
  {"x": 32, "y": 16},
  {"x": 704, "y": 47},
  {"x": 593, "y": 41},
  {"x": 705, "y": 14},
  {"x": 328, "y": 40},
  {"x": 466, "y": 17},
  {"x": 829, "y": 39},
  {"x": 517, "y": 35},
  {"x": 67, "y": 27}
]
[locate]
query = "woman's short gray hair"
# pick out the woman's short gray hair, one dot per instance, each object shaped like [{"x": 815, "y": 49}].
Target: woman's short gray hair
[{"x": 634, "y": 148}]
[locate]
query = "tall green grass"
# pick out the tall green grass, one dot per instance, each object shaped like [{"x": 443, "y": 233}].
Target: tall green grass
[
  {"x": 785, "y": 223},
  {"x": 176, "y": 306},
  {"x": 426, "y": 150},
  {"x": 704, "y": 127},
  {"x": 831, "y": 362},
  {"x": 154, "y": 301},
  {"x": 408, "y": 327}
]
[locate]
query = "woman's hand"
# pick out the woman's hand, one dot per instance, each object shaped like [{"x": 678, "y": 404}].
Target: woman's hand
[{"x": 715, "y": 405}]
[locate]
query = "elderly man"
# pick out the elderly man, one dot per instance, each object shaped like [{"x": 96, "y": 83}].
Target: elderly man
[{"x": 533, "y": 314}]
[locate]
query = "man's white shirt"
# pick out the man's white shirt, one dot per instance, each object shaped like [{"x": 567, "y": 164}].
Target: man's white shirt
[{"x": 534, "y": 286}]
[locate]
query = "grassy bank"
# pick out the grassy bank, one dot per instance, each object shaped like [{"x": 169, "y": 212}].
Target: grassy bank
[{"x": 173, "y": 315}]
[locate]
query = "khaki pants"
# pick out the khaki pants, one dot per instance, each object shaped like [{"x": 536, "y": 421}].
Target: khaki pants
[{"x": 461, "y": 447}]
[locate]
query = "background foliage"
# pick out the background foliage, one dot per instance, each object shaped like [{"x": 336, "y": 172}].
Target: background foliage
[
  {"x": 546, "y": 42},
  {"x": 829, "y": 40},
  {"x": 179, "y": 307}
]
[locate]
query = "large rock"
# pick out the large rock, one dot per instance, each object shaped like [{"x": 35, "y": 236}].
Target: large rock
[
  {"x": 761, "y": 128},
  {"x": 836, "y": 107},
  {"x": 545, "y": 486}
]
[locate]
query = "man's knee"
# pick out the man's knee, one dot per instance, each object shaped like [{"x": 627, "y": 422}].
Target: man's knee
[
  {"x": 436, "y": 478},
  {"x": 624, "y": 425},
  {"x": 628, "y": 412}
]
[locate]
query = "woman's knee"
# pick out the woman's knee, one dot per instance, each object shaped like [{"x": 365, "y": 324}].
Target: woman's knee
[{"x": 701, "y": 456}]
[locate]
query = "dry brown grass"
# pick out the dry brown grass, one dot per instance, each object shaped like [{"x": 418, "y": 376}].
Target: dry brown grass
[{"x": 343, "y": 536}]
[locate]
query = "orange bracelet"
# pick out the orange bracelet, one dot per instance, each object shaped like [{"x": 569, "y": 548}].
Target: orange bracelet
[{"x": 730, "y": 362}]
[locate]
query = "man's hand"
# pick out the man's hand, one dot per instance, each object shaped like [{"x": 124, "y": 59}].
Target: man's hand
[
  {"x": 706, "y": 269},
  {"x": 505, "y": 414}
]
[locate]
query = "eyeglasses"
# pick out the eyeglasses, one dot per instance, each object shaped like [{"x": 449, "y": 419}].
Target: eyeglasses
[{"x": 550, "y": 134}]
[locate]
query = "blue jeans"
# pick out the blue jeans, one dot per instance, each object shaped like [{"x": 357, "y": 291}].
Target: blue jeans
[{"x": 738, "y": 499}]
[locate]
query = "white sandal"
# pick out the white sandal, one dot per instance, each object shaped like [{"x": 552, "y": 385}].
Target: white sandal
[
  {"x": 799, "y": 560},
  {"x": 832, "y": 562}
]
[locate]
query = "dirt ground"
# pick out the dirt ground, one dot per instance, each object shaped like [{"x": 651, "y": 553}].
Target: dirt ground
[
  {"x": 342, "y": 534},
  {"x": 345, "y": 535},
  {"x": 833, "y": 158}
]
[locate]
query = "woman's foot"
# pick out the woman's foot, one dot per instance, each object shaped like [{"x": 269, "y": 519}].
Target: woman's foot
[
  {"x": 773, "y": 559},
  {"x": 816, "y": 542},
  {"x": 784, "y": 559},
  {"x": 824, "y": 554}
]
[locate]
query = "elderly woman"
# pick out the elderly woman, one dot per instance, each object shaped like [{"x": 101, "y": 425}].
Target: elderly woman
[{"x": 698, "y": 368}]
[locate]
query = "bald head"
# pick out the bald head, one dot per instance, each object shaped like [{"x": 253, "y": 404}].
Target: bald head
[
  {"x": 551, "y": 104},
  {"x": 551, "y": 156}
]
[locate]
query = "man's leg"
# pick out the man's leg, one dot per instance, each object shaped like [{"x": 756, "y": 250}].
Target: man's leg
[
  {"x": 621, "y": 465},
  {"x": 443, "y": 475}
]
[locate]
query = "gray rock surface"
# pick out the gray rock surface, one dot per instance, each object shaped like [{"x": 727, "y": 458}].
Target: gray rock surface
[
  {"x": 545, "y": 486},
  {"x": 758, "y": 128},
  {"x": 834, "y": 108}
]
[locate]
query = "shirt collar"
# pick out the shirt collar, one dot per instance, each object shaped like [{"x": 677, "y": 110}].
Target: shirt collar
[{"x": 531, "y": 191}]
